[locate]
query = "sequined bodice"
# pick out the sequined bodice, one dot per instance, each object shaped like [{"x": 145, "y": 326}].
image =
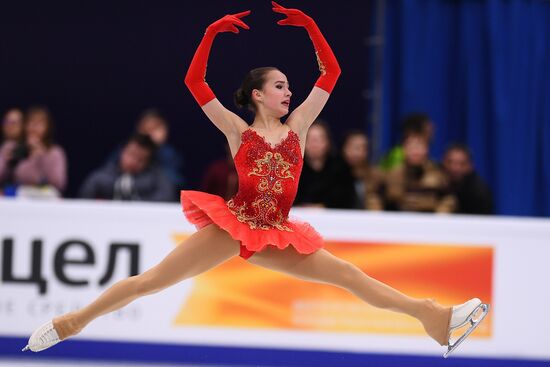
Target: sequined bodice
[{"x": 268, "y": 180}]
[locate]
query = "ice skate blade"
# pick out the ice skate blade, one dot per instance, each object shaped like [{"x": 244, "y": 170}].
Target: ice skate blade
[{"x": 474, "y": 323}]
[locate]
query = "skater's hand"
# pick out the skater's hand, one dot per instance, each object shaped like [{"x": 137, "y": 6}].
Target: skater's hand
[
  {"x": 294, "y": 17},
  {"x": 229, "y": 23}
]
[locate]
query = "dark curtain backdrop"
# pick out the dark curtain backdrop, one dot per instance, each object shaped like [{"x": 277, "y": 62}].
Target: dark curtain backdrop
[
  {"x": 481, "y": 69},
  {"x": 99, "y": 64}
]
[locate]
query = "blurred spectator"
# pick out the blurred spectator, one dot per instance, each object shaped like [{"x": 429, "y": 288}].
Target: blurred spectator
[
  {"x": 414, "y": 123},
  {"x": 472, "y": 194},
  {"x": 221, "y": 177},
  {"x": 418, "y": 184},
  {"x": 132, "y": 177},
  {"x": 12, "y": 126},
  {"x": 368, "y": 180},
  {"x": 326, "y": 180},
  {"x": 153, "y": 124},
  {"x": 36, "y": 160}
]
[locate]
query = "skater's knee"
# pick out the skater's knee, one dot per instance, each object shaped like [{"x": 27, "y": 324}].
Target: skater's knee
[{"x": 349, "y": 274}]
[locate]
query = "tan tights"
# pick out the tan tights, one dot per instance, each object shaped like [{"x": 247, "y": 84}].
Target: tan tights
[{"x": 212, "y": 246}]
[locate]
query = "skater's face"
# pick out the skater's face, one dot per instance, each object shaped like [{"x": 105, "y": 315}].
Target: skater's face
[
  {"x": 457, "y": 164},
  {"x": 415, "y": 148},
  {"x": 274, "y": 97},
  {"x": 134, "y": 158},
  {"x": 355, "y": 150}
]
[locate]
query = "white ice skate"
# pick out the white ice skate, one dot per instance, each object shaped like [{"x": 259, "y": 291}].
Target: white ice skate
[
  {"x": 42, "y": 338},
  {"x": 472, "y": 312}
]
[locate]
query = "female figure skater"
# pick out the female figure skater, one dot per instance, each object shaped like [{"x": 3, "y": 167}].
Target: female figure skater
[{"x": 254, "y": 223}]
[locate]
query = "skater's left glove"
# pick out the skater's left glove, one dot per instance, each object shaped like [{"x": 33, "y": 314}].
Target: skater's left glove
[{"x": 328, "y": 65}]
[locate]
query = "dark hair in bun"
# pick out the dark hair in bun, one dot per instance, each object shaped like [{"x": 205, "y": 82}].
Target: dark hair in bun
[{"x": 254, "y": 79}]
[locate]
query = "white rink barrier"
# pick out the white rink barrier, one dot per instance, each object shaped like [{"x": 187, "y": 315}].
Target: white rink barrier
[{"x": 57, "y": 256}]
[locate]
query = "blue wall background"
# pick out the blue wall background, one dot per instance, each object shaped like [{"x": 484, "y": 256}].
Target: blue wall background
[{"x": 481, "y": 70}]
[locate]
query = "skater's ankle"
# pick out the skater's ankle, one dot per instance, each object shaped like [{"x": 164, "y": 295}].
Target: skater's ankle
[
  {"x": 435, "y": 319},
  {"x": 67, "y": 325},
  {"x": 425, "y": 308}
]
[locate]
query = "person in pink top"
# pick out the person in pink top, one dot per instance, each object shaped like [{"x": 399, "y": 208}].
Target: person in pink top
[{"x": 36, "y": 160}]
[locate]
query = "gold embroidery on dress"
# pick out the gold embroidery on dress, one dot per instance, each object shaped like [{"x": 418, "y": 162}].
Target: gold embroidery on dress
[
  {"x": 272, "y": 163},
  {"x": 271, "y": 169},
  {"x": 263, "y": 185},
  {"x": 322, "y": 68},
  {"x": 263, "y": 208},
  {"x": 278, "y": 187}
]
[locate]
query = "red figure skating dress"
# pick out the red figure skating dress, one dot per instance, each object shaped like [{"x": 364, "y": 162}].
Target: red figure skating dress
[{"x": 257, "y": 215}]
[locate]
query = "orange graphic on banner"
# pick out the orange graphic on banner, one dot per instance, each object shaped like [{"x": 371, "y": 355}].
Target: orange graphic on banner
[{"x": 239, "y": 295}]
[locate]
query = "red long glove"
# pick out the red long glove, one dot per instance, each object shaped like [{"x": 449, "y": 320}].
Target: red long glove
[
  {"x": 328, "y": 65},
  {"x": 195, "y": 77}
]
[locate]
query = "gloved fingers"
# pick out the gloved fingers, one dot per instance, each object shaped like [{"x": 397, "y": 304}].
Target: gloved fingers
[
  {"x": 242, "y": 14},
  {"x": 240, "y": 23}
]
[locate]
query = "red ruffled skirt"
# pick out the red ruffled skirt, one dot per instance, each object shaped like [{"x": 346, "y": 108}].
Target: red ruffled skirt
[{"x": 202, "y": 209}]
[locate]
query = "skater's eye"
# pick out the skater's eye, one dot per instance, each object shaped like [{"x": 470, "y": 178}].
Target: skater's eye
[{"x": 280, "y": 84}]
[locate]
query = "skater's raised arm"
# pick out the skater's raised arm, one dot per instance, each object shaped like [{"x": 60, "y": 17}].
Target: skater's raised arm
[
  {"x": 228, "y": 122},
  {"x": 304, "y": 115}
]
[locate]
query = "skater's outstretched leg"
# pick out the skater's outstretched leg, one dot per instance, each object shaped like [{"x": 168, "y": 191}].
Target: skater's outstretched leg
[
  {"x": 204, "y": 250},
  {"x": 323, "y": 267}
]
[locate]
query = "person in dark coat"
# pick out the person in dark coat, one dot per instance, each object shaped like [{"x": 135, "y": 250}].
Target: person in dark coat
[
  {"x": 326, "y": 179},
  {"x": 153, "y": 124},
  {"x": 368, "y": 179},
  {"x": 472, "y": 193},
  {"x": 132, "y": 177}
]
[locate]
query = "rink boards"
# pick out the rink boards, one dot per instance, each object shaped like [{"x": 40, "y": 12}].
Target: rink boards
[{"x": 60, "y": 255}]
